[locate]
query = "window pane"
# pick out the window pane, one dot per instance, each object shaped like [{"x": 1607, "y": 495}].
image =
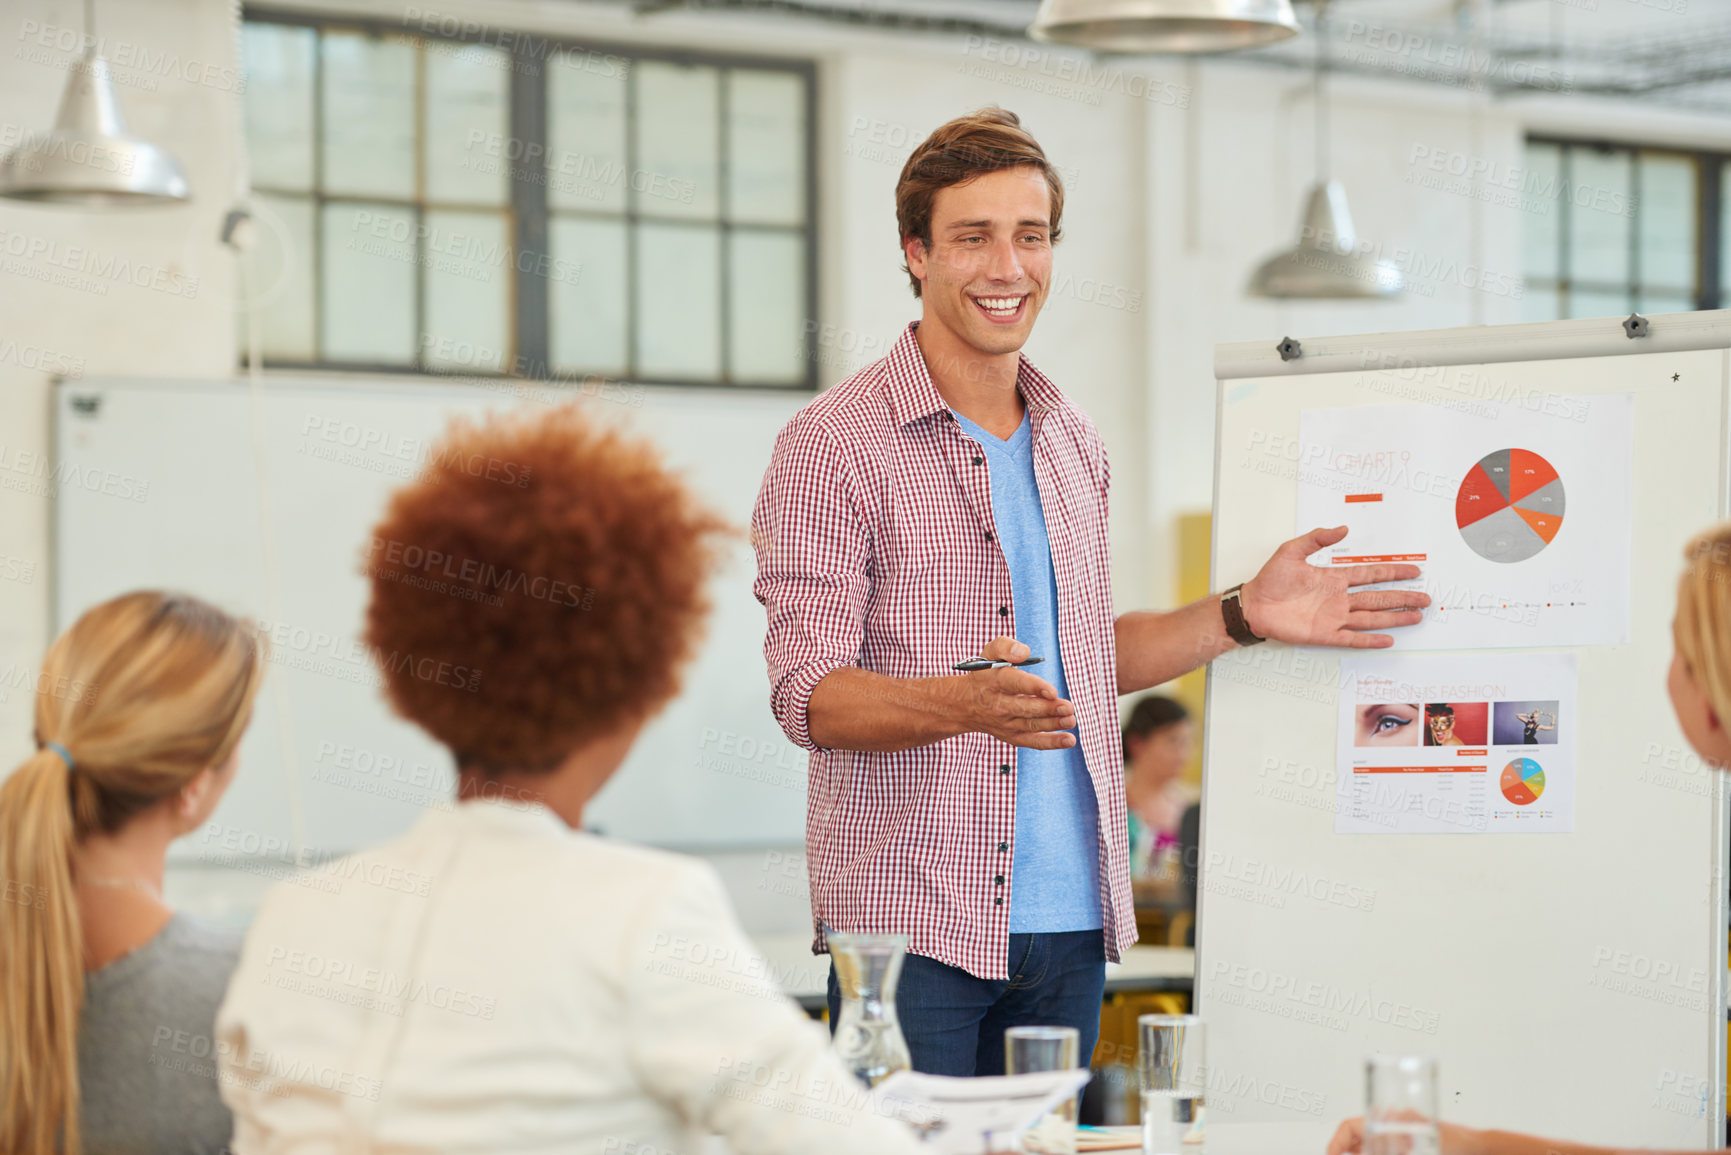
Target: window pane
[
  {"x": 678, "y": 301},
  {"x": 1666, "y": 215},
  {"x": 1542, "y": 219},
  {"x": 587, "y": 296},
  {"x": 585, "y": 134},
  {"x": 367, "y": 297},
  {"x": 468, "y": 270},
  {"x": 282, "y": 277},
  {"x": 1725, "y": 235},
  {"x": 279, "y": 104},
  {"x": 1599, "y": 205},
  {"x": 678, "y": 156},
  {"x": 467, "y": 99},
  {"x": 369, "y": 116},
  {"x": 1540, "y": 303},
  {"x": 765, "y": 147},
  {"x": 766, "y": 299},
  {"x": 1598, "y": 303},
  {"x": 1658, "y": 302}
]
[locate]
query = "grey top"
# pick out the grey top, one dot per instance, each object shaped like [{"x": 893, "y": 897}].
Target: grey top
[{"x": 146, "y": 1045}]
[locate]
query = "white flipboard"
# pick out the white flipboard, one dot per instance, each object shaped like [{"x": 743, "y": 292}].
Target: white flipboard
[{"x": 1572, "y": 982}]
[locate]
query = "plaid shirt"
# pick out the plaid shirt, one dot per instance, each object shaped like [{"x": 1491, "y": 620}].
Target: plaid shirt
[{"x": 876, "y": 548}]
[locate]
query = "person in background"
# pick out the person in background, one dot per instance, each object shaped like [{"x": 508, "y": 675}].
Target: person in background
[
  {"x": 1699, "y": 684},
  {"x": 140, "y": 708},
  {"x": 1159, "y": 738},
  {"x": 497, "y": 980}
]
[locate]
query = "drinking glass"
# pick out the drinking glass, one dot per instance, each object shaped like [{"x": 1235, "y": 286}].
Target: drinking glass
[
  {"x": 1030, "y": 1049},
  {"x": 1173, "y": 1069},
  {"x": 1400, "y": 1105}
]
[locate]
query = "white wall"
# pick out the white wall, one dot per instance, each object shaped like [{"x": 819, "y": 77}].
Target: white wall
[
  {"x": 1231, "y": 173},
  {"x": 144, "y": 292},
  {"x": 1182, "y": 176}
]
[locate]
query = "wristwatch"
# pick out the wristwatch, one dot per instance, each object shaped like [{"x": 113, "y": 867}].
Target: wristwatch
[{"x": 1232, "y": 609}]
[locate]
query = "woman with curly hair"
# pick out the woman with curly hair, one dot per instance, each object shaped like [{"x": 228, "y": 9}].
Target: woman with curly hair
[
  {"x": 105, "y": 989},
  {"x": 496, "y": 980}
]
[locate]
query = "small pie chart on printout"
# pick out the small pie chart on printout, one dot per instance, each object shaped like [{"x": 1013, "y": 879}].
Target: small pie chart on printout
[
  {"x": 1510, "y": 505},
  {"x": 1523, "y": 781}
]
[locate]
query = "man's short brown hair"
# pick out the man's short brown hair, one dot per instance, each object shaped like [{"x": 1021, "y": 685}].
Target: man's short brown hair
[
  {"x": 966, "y": 148},
  {"x": 538, "y": 586}
]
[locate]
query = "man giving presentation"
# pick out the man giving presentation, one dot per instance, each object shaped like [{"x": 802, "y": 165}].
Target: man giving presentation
[{"x": 949, "y": 503}]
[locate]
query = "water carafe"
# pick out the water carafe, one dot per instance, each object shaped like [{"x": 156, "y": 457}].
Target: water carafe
[{"x": 868, "y": 1037}]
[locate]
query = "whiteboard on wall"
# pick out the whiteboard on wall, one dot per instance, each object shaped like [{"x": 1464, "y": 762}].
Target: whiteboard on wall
[
  {"x": 1569, "y": 984},
  {"x": 265, "y": 506}
]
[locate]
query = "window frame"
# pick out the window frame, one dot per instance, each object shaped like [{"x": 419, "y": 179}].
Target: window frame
[
  {"x": 527, "y": 211},
  {"x": 1709, "y": 164}
]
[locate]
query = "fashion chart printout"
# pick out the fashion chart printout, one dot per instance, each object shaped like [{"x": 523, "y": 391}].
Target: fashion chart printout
[
  {"x": 1473, "y": 744},
  {"x": 1518, "y": 517}
]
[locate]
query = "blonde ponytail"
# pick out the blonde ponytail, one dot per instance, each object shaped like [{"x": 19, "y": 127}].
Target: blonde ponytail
[
  {"x": 139, "y": 696},
  {"x": 42, "y": 945},
  {"x": 1703, "y": 625}
]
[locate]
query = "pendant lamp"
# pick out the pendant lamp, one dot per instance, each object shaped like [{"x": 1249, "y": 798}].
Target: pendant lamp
[
  {"x": 90, "y": 159},
  {"x": 1325, "y": 264},
  {"x": 1164, "y": 25}
]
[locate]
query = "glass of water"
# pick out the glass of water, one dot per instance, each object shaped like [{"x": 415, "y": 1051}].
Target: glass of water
[
  {"x": 1172, "y": 1066},
  {"x": 1030, "y": 1049},
  {"x": 1400, "y": 1105}
]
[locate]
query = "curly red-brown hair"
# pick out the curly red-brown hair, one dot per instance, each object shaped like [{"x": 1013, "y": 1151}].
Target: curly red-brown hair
[{"x": 538, "y": 586}]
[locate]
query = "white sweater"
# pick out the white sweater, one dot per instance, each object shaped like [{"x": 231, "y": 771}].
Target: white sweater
[{"x": 496, "y": 982}]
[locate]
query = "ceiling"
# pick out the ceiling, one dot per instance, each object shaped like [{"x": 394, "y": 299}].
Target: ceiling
[{"x": 1671, "y": 52}]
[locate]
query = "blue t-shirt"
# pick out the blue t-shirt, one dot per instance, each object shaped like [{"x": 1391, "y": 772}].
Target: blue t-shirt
[{"x": 1055, "y": 872}]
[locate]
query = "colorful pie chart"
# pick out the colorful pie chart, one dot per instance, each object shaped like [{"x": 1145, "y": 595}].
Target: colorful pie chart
[
  {"x": 1523, "y": 781},
  {"x": 1510, "y": 505}
]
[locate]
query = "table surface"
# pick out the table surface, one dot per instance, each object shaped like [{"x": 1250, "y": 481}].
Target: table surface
[
  {"x": 805, "y": 976},
  {"x": 1306, "y": 1138}
]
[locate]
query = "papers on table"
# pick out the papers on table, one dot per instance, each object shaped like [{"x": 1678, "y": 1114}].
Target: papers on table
[{"x": 959, "y": 1116}]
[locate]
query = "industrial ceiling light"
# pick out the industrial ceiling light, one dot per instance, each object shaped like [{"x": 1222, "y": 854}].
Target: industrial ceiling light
[
  {"x": 1326, "y": 263},
  {"x": 1164, "y": 25},
  {"x": 89, "y": 159}
]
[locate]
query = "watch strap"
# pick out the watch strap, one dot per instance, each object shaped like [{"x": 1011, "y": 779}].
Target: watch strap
[{"x": 1232, "y": 609}]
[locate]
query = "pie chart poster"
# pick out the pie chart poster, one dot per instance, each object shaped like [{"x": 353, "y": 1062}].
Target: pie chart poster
[{"x": 1517, "y": 509}]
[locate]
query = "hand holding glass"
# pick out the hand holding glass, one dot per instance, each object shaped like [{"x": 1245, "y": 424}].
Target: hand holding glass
[{"x": 1400, "y": 1105}]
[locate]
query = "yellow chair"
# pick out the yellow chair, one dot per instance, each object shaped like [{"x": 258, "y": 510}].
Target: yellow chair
[{"x": 1114, "y": 1058}]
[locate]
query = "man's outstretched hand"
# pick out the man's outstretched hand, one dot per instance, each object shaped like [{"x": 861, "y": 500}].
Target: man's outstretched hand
[{"x": 1290, "y": 600}]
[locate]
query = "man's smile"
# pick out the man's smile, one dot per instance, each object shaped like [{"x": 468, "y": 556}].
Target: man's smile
[{"x": 1001, "y": 309}]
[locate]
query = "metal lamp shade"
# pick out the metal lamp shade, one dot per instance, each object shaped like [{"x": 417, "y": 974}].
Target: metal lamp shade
[
  {"x": 89, "y": 159},
  {"x": 1164, "y": 25},
  {"x": 1325, "y": 263}
]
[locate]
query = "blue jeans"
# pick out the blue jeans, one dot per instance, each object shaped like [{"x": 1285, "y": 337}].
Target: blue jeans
[{"x": 955, "y": 1023}]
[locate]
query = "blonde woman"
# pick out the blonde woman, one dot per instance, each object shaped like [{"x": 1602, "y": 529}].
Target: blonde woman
[
  {"x": 510, "y": 983},
  {"x": 1699, "y": 684},
  {"x": 105, "y": 990}
]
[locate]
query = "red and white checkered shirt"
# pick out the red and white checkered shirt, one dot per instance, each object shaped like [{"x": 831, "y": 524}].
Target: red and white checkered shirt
[{"x": 876, "y": 548}]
